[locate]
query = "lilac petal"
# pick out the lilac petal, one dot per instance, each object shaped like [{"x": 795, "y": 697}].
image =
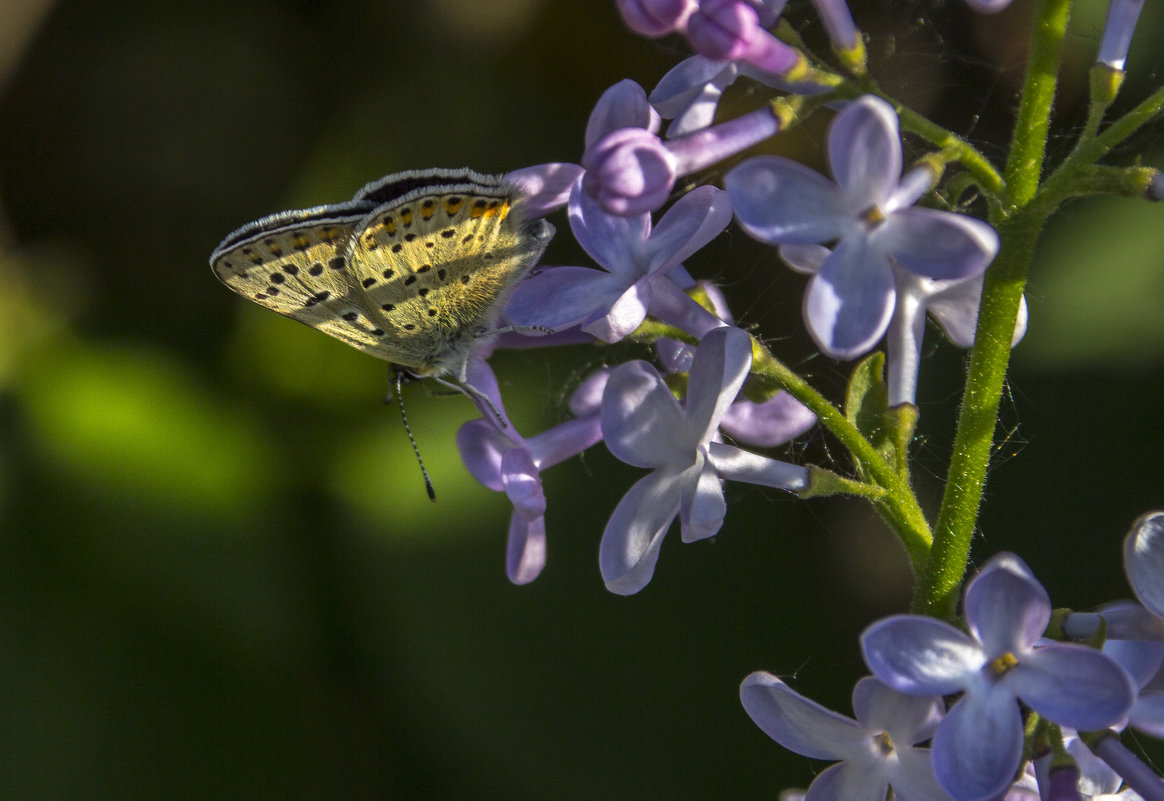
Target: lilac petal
[
  {"x": 1140, "y": 660},
  {"x": 522, "y": 483},
  {"x": 693, "y": 221},
  {"x": 807, "y": 259},
  {"x": 630, "y": 544},
  {"x": 850, "y": 301},
  {"x": 479, "y": 376},
  {"x": 612, "y": 241},
  {"x": 1144, "y": 561},
  {"x": 777, "y": 420},
  {"x": 864, "y": 147},
  {"x": 481, "y": 446},
  {"x": 780, "y": 201},
  {"x": 914, "y": 779},
  {"x": 670, "y": 304},
  {"x": 852, "y": 780},
  {"x": 689, "y": 93},
  {"x": 624, "y": 314},
  {"x": 955, "y": 308},
  {"x": 545, "y": 187},
  {"x": 721, "y": 365},
  {"x": 1005, "y": 607},
  {"x": 526, "y": 549},
  {"x": 702, "y": 507},
  {"x": 739, "y": 465},
  {"x": 587, "y": 397},
  {"x": 641, "y": 420},
  {"x": 978, "y": 747},
  {"x": 559, "y": 297},
  {"x": 799, "y": 724},
  {"x": 938, "y": 244},
  {"x": 908, "y": 719},
  {"x": 1073, "y": 685},
  {"x": 564, "y": 440},
  {"x": 623, "y": 105},
  {"x": 1148, "y": 714},
  {"x": 920, "y": 655}
]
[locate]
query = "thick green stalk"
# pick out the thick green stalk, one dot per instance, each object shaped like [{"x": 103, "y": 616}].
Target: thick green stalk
[
  {"x": 937, "y": 590},
  {"x": 1024, "y": 166}
]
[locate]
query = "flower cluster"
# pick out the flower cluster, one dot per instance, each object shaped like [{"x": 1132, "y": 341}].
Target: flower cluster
[{"x": 1009, "y": 700}]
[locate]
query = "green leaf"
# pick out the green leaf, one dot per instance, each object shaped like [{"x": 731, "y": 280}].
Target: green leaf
[{"x": 867, "y": 403}]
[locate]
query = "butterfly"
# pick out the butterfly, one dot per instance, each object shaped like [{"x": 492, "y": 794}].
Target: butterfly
[{"x": 414, "y": 270}]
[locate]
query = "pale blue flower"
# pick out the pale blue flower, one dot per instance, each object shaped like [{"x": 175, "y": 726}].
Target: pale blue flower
[
  {"x": 996, "y": 664},
  {"x": 504, "y": 461},
  {"x": 636, "y": 279},
  {"x": 643, "y": 425},
  {"x": 867, "y": 216},
  {"x": 876, "y": 751}
]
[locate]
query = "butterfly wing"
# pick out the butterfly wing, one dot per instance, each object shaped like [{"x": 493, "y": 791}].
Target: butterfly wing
[
  {"x": 438, "y": 262},
  {"x": 415, "y": 270},
  {"x": 291, "y": 263}
]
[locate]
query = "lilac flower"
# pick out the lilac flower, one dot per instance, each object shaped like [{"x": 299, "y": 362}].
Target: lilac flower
[
  {"x": 876, "y": 751},
  {"x": 630, "y": 170},
  {"x": 731, "y": 30},
  {"x": 654, "y": 18},
  {"x": 867, "y": 213},
  {"x": 953, "y": 305},
  {"x": 978, "y": 747},
  {"x": 643, "y": 425},
  {"x": 1122, "y": 16},
  {"x": 637, "y": 262},
  {"x": 773, "y": 422},
  {"x": 504, "y": 461}
]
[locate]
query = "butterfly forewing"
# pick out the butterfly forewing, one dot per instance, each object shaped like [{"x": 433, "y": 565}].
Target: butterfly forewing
[{"x": 414, "y": 271}]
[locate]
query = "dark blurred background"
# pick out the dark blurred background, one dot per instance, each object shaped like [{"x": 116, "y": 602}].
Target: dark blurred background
[{"x": 219, "y": 574}]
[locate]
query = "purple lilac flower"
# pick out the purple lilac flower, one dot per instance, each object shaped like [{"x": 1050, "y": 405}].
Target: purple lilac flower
[
  {"x": 876, "y": 751},
  {"x": 978, "y": 747},
  {"x": 643, "y": 425},
  {"x": 1122, "y": 16},
  {"x": 953, "y": 305},
  {"x": 637, "y": 264},
  {"x": 731, "y": 30},
  {"x": 867, "y": 213},
  {"x": 773, "y": 422},
  {"x": 654, "y": 18},
  {"x": 838, "y": 23},
  {"x": 630, "y": 170},
  {"x": 504, "y": 461}
]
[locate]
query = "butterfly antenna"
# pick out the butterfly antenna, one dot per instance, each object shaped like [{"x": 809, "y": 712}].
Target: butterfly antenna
[{"x": 408, "y": 430}]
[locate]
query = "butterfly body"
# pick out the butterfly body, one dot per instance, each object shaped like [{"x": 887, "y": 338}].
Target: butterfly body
[{"x": 414, "y": 270}]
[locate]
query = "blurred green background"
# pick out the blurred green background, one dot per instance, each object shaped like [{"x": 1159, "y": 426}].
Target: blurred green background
[{"x": 219, "y": 574}]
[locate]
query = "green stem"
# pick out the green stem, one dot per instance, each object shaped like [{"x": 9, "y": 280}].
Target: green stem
[
  {"x": 898, "y": 506},
  {"x": 937, "y": 590},
  {"x": 1024, "y": 167}
]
